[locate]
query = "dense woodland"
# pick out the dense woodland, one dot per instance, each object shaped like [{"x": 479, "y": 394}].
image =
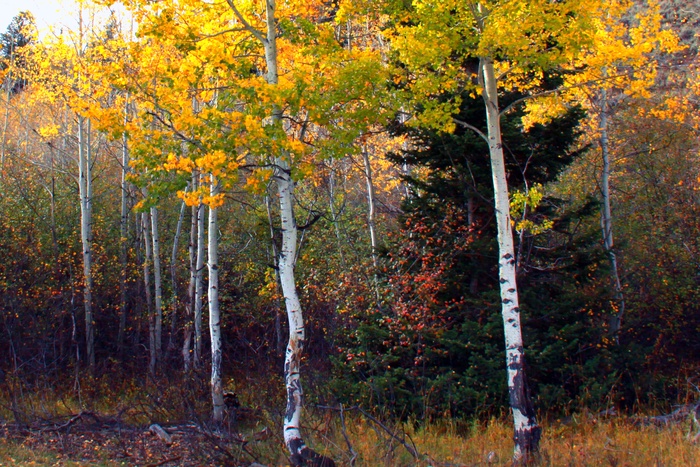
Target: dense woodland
[{"x": 339, "y": 196}]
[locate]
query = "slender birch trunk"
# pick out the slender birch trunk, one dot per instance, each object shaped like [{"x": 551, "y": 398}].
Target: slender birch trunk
[
  {"x": 606, "y": 221},
  {"x": 275, "y": 258},
  {"x": 189, "y": 329},
  {"x": 157, "y": 286},
  {"x": 147, "y": 261},
  {"x": 300, "y": 454},
  {"x": 123, "y": 232},
  {"x": 370, "y": 220},
  {"x": 173, "y": 279},
  {"x": 85, "y": 190},
  {"x": 334, "y": 214},
  {"x": 8, "y": 95},
  {"x": 370, "y": 207},
  {"x": 287, "y": 256},
  {"x": 217, "y": 388},
  {"x": 139, "y": 256},
  {"x": 526, "y": 431},
  {"x": 199, "y": 288},
  {"x": 54, "y": 235},
  {"x": 295, "y": 346}
]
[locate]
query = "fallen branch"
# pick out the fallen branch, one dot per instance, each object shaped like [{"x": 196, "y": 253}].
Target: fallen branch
[
  {"x": 161, "y": 433},
  {"x": 353, "y": 454},
  {"x": 677, "y": 416},
  {"x": 72, "y": 421}
]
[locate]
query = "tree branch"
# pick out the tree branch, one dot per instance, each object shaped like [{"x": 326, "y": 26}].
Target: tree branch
[
  {"x": 558, "y": 90},
  {"x": 473, "y": 128},
  {"x": 248, "y": 27}
]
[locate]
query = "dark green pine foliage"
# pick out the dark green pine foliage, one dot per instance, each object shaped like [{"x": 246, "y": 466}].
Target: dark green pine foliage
[
  {"x": 17, "y": 37},
  {"x": 437, "y": 347}
]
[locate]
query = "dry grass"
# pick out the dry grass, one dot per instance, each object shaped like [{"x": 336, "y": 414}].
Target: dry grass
[
  {"x": 585, "y": 443},
  {"x": 580, "y": 440}
]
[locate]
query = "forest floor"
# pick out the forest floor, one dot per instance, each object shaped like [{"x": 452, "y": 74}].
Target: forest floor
[
  {"x": 47, "y": 429},
  {"x": 88, "y": 440}
]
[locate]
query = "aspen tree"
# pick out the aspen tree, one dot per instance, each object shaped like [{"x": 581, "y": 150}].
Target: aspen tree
[
  {"x": 515, "y": 43},
  {"x": 157, "y": 286},
  {"x": 474, "y": 32},
  {"x": 123, "y": 231},
  {"x": 175, "y": 300},
  {"x": 242, "y": 115},
  {"x": 85, "y": 191},
  {"x": 619, "y": 64},
  {"x": 217, "y": 388},
  {"x": 288, "y": 251}
]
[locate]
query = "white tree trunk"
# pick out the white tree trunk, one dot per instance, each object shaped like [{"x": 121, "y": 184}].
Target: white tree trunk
[
  {"x": 217, "y": 388},
  {"x": 157, "y": 286},
  {"x": 199, "y": 288},
  {"x": 275, "y": 258},
  {"x": 606, "y": 221},
  {"x": 173, "y": 280},
  {"x": 147, "y": 260},
  {"x": 8, "y": 95},
  {"x": 526, "y": 431},
  {"x": 334, "y": 214},
  {"x": 370, "y": 220},
  {"x": 189, "y": 329},
  {"x": 85, "y": 190},
  {"x": 123, "y": 232},
  {"x": 287, "y": 258},
  {"x": 370, "y": 207},
  {"x": 300, "y": 454},
  {"x": 295, "y": 346}
]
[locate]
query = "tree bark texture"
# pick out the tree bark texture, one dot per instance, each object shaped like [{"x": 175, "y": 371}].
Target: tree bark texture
[
  {"x": 85, "y": 191},
  {"x": 295, "y": 346},
  {"x": 300, "y": 454},
  {"x": 157, "y": 286},
  {"x": 287, "y": 258},
  {"x": 199, "y": 288},
  {"x": 370, "y": 207},
  {"x": 123, "y": 231},
  {"x": 217, "y": 388},
  {"x": 526, "y": 431},
  {"x": 189, "y": 328},
  {"x": 175, "y": 302},
  {"x": 147, "y": 261},
  {"x": 606, "y": 221}
]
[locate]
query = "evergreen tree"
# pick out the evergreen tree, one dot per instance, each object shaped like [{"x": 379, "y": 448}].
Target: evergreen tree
[
  {"x": 438, "y": 349},
  {"x": 14, "y": 43}
]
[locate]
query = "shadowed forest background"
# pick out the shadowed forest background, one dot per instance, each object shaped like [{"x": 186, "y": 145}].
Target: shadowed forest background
[{"x": 121, "y": 139}]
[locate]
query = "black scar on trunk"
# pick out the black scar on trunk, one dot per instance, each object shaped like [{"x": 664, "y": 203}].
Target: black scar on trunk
[
  {"x": 527, "y": 440},
  {"x": 291, "y": 404}
]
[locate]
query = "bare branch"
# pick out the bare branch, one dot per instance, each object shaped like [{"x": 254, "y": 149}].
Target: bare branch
[
  {"x": 473, "y": 128},
  {"x": 248, "y": 27}
]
